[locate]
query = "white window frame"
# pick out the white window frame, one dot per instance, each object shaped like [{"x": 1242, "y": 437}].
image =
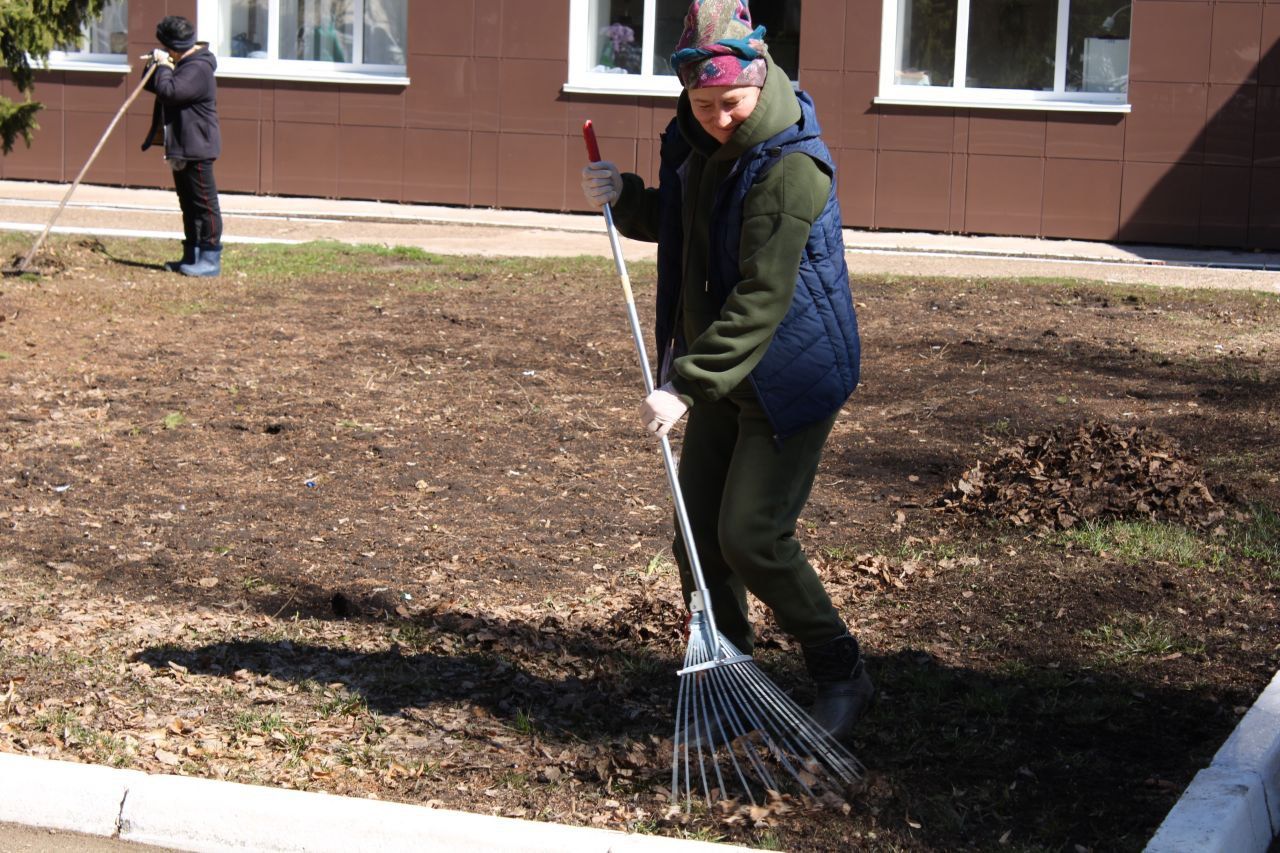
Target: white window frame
[
  {"x": 77, "y": 60},
  {"x": 959, "y": 95},
  {"x": 582, "y": 79},
  {"x": 208, "y": 24}
]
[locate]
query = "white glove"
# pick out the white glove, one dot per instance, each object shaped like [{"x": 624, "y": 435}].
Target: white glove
[
  {"x": 601, "y": 183},
  {"x": 161, "y": 56},
  {"x": 661, "y": 409}
]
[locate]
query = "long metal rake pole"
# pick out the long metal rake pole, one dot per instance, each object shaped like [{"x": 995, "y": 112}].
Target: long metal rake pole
[
  {"x": 35, "y": 247},
  {"x": 682, "y": 515}
]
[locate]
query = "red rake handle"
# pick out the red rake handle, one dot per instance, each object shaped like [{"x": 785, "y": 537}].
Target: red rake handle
[{"x": 589, "y": 134}]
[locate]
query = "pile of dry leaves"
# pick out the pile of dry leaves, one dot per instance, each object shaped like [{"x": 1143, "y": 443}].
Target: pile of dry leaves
[{"x": 1088, "y": 472}]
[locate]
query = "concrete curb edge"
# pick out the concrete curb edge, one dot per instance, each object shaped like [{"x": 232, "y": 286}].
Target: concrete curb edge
[
  {"x": 1233, "y": 805},
  {"x": 197, "y": 814}
]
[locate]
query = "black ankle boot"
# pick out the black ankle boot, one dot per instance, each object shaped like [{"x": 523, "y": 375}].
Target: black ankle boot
[
  {"x": 843, "y": 690},
  {"x": 189, "y": 256}
]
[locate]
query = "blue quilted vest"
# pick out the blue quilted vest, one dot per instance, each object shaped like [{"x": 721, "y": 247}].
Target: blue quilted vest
[{"x": 811, "y": 366}]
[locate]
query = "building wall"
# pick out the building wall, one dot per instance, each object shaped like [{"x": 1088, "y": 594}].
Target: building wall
[
  {"x": 1195, "y": 162},
  {"x": 484, "y": 123}
]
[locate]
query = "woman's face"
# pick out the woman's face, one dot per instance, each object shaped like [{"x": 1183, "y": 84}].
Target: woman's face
[{"x": 720, "y": 109}]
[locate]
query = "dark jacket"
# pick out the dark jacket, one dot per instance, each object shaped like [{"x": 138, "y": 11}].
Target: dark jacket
[
  {"x": 753, "y": 295},
  {"x": 812, "y": 364},
  {"x": 185, "y": 116}
]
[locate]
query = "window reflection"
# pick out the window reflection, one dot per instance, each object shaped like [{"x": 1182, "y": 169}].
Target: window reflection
[
  {"x": 317, "y": 30},
  {"x": 385, "y": 23},
  {"x": 617, "y": 37},
  {"x": 1098, "y": 46},
  {"x": 926, "y": 42},
  {"x": 244, "y": 29},
  {"x": 109, "y": 34},
  {"x": 619, "y": 45},
  {"x": 1012, "y": 44}
]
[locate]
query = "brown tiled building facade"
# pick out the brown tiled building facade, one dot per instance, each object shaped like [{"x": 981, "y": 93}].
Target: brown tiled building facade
[{"x": 484, "y": 119}]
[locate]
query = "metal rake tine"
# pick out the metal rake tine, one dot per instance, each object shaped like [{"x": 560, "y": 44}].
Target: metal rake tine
[
  {"x": 770, "y": 734},
  {"x": 757, "y": 730},
  {"x": 682, "y": 728},
  {"x": 712, "y": 749},
  {"x": 743, "y": 734},
  {"x": 825, "y": 750}
]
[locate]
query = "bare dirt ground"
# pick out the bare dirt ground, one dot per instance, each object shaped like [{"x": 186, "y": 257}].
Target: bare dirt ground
[{"x": 380, "y": 523}]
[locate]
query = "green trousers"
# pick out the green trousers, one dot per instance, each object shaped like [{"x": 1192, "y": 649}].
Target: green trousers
[{"x": 744, "y": 491}]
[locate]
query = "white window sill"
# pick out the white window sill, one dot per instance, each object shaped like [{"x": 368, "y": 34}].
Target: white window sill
[
  {"x": 635, "y": 91},
  {"x": 270, "y": 71},
  {"x": 981, "y": 104},
  {"x": 635, "y": 85},
  {"x": 64, "y": 63}
]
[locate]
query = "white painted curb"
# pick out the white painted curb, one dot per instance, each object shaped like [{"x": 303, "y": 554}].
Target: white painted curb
[
  {"x": 1233, "y": 805},
  {"x": 61, "y": 795},
  {"x": 209, "y": 816}
]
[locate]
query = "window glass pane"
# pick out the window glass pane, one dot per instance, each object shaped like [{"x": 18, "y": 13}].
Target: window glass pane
[
  {"x": 669, "y": 24},
  {"x": 1098, "y": 47},
  {"x": 107, "y": 34},
  {"x": 616, "y": 36},
  {"x": 926, "y": 42},
  {"x": 385, "y": 25},
  {"x": 110, "y": 33},
  {"x": 317, "y": 30},
  {"x": 781, "y": 20},
  {"x": 243, "y": 28},
  {"x": 1012, "y": 44}
]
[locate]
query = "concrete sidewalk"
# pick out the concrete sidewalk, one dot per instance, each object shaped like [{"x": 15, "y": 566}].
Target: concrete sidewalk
[{"x": 114, "y": 211}]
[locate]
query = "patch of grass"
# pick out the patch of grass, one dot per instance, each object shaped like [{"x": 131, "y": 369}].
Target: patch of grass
[
  {"x": 413, "y": 635},
  {"x": 1140, "y": 542},
  {"x": 640, "y": 668},
  {"x": 102, "y": 747},
  {"x": 1138, "y": 637},
  {"x": 768, "y": 841},
  {"x": 704, "y": 833},
  {"x": 1258, "y": 538},
  {"x": 513, "y": 780},
  {"x": 524, "y": 723},
  {"x": 173, "y": 420},
  {"x": 659, "y": 564},
  {"x": 248, "y": 723},
  {"x": 324, "y": 257},
  {"x": 343, "y": 706}
]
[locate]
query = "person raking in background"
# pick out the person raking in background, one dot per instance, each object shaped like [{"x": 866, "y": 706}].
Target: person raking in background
[
  {"x": 185, "y": 121},
  {"x": 757, "y": 339}
]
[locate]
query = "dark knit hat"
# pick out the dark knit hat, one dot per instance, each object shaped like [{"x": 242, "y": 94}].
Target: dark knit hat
[
  {"x": 176, "y": 33},
  {"x": 719, "y": 47}
]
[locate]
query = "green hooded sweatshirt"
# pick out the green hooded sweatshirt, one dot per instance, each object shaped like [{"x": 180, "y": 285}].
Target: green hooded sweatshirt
[{"x": 726, "y": 341}]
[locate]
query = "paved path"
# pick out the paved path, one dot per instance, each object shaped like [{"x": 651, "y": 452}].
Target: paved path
[
  {"x": 15, "y": 838},
  {"x": 447, "y": 230}
]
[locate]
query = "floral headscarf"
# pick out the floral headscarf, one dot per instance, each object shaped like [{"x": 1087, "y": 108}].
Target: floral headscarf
[{"x": 719, "y": 47}]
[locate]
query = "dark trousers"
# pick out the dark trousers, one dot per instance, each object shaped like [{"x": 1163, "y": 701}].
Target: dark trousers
[
  {"x": 744, "y": 492},
  {"x": 198, "y": 198}
]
